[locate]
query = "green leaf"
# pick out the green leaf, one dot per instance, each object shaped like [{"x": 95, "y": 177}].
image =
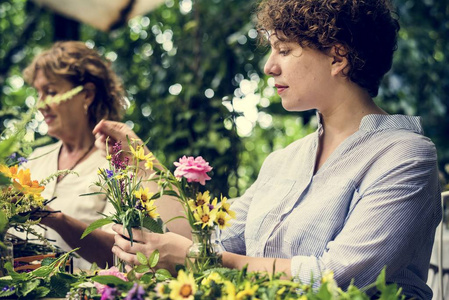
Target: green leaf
[
  {"x": 60, "y": 284},
  {"x": 28, "y": 286},
  {"x": 3, "y": 220},
  {"x": 14, "y": 275},
  {"x": 93, "y": 194},
  {"x": 380, "y": 281},
  {"x": 110, "y": 279},
  {"x": 154, "y": 258},
  {"x": 96, "y": 224},
  {"x": 43, "y": 271},
  {"x": 39, "y": 292},
  {"x": 163, "y": 274},
  {"x": 6, "y": 146},
  {"x": 48, "y": 261},
  {"x": 152, "y": 225},
  {"x": 171, "y": 193},
  {"x": 147, "y": 278},
  {"x": 7, "y": 293},
  {"x": 142, "y": 268},
  {"x": 142, "y": 258},
  {"x": 4, "y": 180}
]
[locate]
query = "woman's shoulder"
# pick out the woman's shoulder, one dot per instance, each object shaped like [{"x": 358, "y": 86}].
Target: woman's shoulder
[{"x": 40, "y": 151}]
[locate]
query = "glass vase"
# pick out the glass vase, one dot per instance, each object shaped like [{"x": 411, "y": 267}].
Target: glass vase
[
  {"x": 119, "y": 264},
  {"x": 204, "y": 253}
]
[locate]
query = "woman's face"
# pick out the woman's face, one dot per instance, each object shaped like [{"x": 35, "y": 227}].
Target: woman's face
[
  {"x": 302, "y": 75},
  {"x": 67, "y": 118}
]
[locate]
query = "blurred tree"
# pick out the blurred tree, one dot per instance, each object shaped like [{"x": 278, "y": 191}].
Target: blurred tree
[{"x": 194, "y": 77}]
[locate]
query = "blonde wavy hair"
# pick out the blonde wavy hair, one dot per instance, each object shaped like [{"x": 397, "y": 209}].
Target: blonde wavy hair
[{"x": 78, "y": 64}]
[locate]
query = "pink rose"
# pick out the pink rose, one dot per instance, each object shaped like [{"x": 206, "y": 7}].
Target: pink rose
[
  {"x": 193, "y": 169},
  {"x": 112, "y": 271}
]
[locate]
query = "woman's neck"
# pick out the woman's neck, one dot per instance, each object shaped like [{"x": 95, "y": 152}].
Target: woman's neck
[
  {"x": 346, "y": 111},
  {"x": 81, "y": 143}
]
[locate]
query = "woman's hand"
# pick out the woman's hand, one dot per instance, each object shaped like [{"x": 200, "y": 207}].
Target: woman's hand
[
  {"x": 172, "y": 247},
  {"x": 117, "y": 132}
]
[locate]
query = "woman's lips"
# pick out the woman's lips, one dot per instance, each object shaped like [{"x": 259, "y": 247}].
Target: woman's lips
[
  {"x": 280, "y": 88},
  {"x": 48, "y": 119}
]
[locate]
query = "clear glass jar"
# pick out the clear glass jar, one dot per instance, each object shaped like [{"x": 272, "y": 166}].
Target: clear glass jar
[{"x": 204, "y": 253}]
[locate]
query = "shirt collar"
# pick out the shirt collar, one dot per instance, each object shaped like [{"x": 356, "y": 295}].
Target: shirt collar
[{"x": 382, "y": 122}]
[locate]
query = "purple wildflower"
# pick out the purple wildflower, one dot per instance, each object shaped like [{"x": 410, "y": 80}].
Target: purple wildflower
[
  {"x": 109, "y": 173},
  {"x": 13, "y": 156},
  {"x": 136, "y": 293},
  {"x": 211, "y": 207},
  {"x": 22, "y": 160},
  {"x": 139, "y": 205},
  {"x": 8, "y": 288},
  {"x": 116, "y": 160},
  {"x": 109, "y": 293}
]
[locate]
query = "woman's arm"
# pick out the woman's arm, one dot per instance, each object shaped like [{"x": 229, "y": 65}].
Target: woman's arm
[
  {"x": 173, "y": 249},
  {"x": 96, "y": 247},
  {"x": 237, "y": 261}
]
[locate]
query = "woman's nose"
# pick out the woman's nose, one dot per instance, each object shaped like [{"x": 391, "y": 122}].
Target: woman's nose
[{"x": 271, "y": 67}]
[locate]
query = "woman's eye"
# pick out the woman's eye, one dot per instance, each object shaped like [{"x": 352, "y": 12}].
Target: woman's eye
[
  {"x": 284, "y": 52},
  {"x": 51, "y": 93}
]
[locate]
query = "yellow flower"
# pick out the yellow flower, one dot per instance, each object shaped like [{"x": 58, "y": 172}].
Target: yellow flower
[
  {"x": 214, "y": 276},
  {"x": 328, "y": 279},
  {"x": 149, "y": 162},
  {"x": 328, "y": 276},
  {"x": 24, "y": 184},
  {"x": 10, "y": 172},
  {"x": 161, "y": 290},
  {"x": 150, "y": 208},
  {"x": 248, "y": 291},
  {"x": 120, "y": 176},
  {"x": 205, "y": 216},
  {"x": 201, "y": 199},
  {"x": 108, "y": 157},
  {"x": 138, "y": 153},
  {"x": 229, "y": 290},
  {"x": 184, "y": 287},
  {"x": 222, "y": 219},
  {"x": 143, "y": 194},
  {"x": 225, "y": 207},
  {"x": 280, "y": 292}
]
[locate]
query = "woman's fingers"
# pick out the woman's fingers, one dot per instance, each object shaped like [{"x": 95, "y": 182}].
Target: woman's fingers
[
  {"x": 138, "y": 235},
  {"x": 129, "y": 258}
]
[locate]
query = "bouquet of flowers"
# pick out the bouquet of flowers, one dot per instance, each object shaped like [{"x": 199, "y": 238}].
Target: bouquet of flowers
[
  {"x": 203, "y": 212},
  {"x": 21, "y": 203},
  {"x": 133, "y": 204}
]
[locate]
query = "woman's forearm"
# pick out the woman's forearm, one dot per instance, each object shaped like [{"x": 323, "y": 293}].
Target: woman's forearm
[
  {"x": 236, "y": 261},
  {"x": 96, "y": 247}
]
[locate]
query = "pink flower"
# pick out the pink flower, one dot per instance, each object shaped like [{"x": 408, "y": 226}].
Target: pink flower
[
  {"x": 112, "y": 271},
  {"x": 193, "y": 169}
]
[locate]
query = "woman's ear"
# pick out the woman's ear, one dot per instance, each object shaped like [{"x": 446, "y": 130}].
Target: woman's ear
[
  {"x": 340, "y": 61},
  {"x": 90, "y": 91}
]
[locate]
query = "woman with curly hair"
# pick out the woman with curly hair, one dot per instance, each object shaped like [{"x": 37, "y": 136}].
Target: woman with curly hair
[{"x": 358, "y": 194}]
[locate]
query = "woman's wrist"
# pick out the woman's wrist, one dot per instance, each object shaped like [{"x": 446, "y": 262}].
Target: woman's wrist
[{"x": 53, "y": 219}]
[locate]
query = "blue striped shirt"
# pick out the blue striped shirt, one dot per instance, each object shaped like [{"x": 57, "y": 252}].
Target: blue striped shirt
[{"x": 375, "y": 202}]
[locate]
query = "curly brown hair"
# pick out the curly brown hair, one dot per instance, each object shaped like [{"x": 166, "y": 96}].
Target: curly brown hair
[
  {"x": 78, "y": 64},
  {"x": 363, "y": 31}
]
